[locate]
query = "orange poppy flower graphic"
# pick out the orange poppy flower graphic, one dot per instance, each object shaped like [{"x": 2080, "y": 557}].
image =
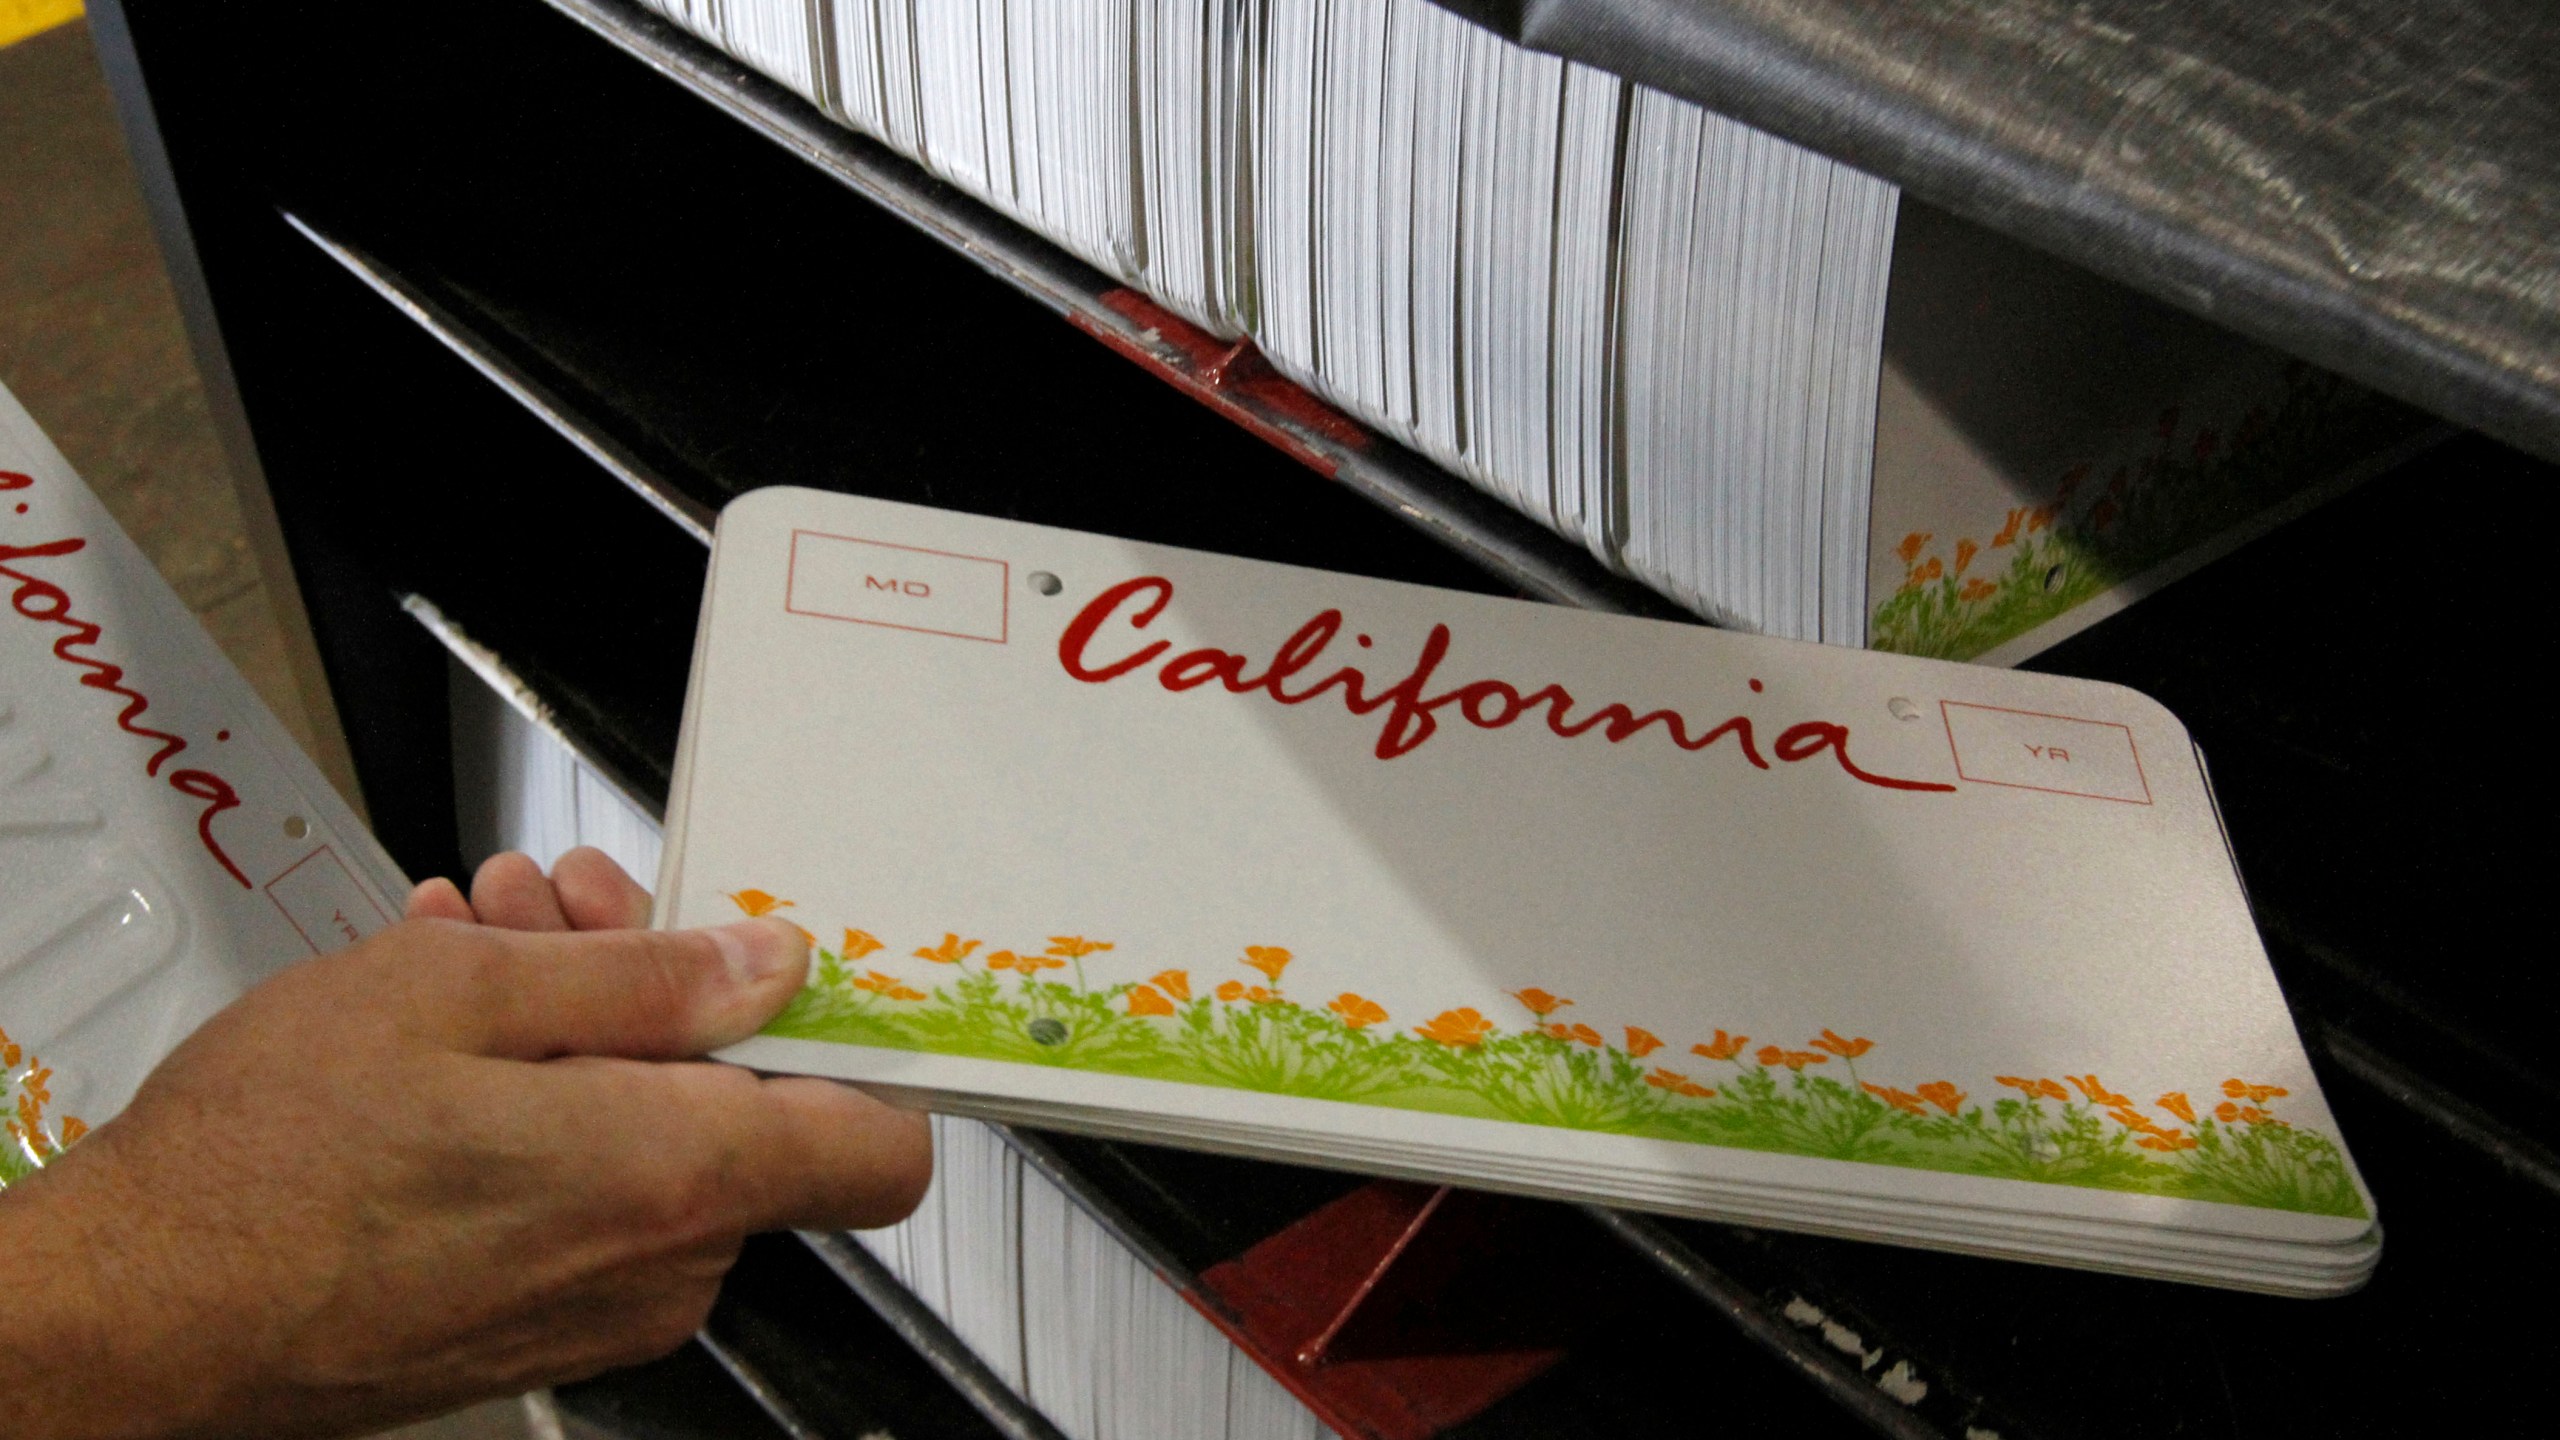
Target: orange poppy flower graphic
[
  {"x": 1231, "y": 990},
  {"x": 2254, "y": 1094},
  {"x": 2175, "y": 1102},
  {"x": 73, "y": 1129},
  {"x": 1931, "y": 571},
  {"x": 1462, "y": 1027},
  {"x": 1846, "y": 1049},
  {"x": 2166, "y": 1141},
  {"x": 1269, "y": 959},
  {"x": 861, "y": 943},
  {"x": 2230, "y": 1113},
  {"x": 1965, "y": 551},
  {"x": 756, "y": 902},
  {"x": 1029, "y": 965},
  {"x": 1075, "y": 947},
  {"x": 1902, "y": 1100},
  {"x": 1677, "y": 1084},
  {"x": 2132, "y": 1119},
  {"x": 1909, "y": 549},
  {"x": 877, "y": 982},
  {"x": 1356, "y": 1012},
  {"x": 1944, "y": 1095},
  {"x": 1792, "y": 1059},
  {"x": 2041, "y": 517},
  {"x": 1976, "y": 590},
  {"x": 36, "y": 1083},
  {"x": 1176, "y": 983},
  {"x": 1642, "y": 1042},
  {"x": 2099, "y": 1094},
  {"x": 1723, "y": 1047},
  {"x": 1235, "y": 990},
  {"x": 951, "y": 951},
  {"x": 1583, "y": 1033},
  {"x": 2009, "y": 532},
  {"x": 1147, "y": 1000},
  {"x": 2046, "y": 1089},
  {"x": 1539, "y": 1002}
]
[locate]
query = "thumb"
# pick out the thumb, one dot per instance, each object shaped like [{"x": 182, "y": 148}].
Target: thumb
[{"x": 638, "y": 994}]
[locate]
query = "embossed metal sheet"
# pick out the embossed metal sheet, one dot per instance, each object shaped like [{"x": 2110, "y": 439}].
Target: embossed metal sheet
[
  {"x": 2373, "y": 186},
  {"x": 163, "y": 845}
]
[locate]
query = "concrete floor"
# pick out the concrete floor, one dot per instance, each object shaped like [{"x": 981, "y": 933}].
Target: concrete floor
[{"x": 91, "y": 343}]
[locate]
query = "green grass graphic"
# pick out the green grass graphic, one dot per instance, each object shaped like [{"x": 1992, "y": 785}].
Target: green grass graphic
[{"x": 1044, "y": 1009}]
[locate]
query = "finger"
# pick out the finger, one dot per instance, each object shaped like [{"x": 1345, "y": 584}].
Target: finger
[
  {"x": 596, "y": 894},
  {"x": 841, "y": 1159},
  {"x": 794, "y": 1153},
  {"x": 511, "y": 892},
  {"x": 438, "y": 899},
  {"x": 640, "y": 994}
]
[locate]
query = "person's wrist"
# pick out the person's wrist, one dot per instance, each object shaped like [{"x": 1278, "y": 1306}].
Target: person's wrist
[{"x": 88, "y": 1356}]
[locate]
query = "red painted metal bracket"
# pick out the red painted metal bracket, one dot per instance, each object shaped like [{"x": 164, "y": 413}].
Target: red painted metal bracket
[
  {"x": 1400, "y": 1309},
  {"x": 1230, "y": 377}
]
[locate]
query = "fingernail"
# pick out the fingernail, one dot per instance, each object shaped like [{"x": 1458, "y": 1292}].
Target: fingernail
[
  {"x": 432, "y": 897},
  {"x": 758, "y": 950}
]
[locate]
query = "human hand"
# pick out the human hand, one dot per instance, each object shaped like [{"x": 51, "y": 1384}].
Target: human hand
[
  {"x": 453, "y": 1161},
  {"x": 586, "y": 890}
]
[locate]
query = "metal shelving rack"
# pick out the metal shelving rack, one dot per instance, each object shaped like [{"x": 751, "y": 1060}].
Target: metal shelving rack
[{"x": 483, "y": 410}]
